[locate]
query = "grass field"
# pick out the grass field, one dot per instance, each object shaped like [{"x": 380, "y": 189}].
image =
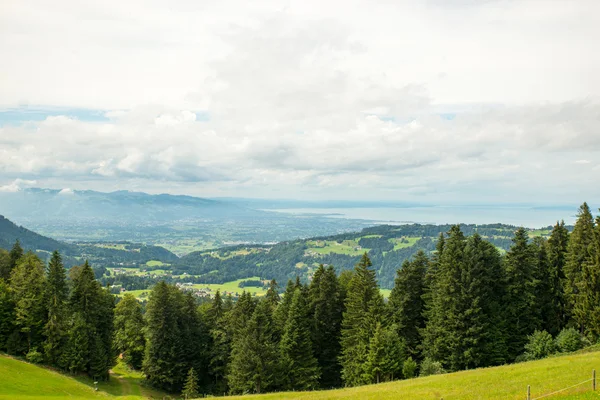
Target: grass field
[
  {"x": 398, "y": 244},
  {"x": 348, "y": 247},
  {"x": 232, "y": 287},
  {"x": 499, "y": 383},
  {"x": 20, "y": 380}
]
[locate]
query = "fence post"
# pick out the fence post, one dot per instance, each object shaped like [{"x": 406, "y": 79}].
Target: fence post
[
  {"x": 528, "y": 392},
  {"x": 594, "y": 379}
]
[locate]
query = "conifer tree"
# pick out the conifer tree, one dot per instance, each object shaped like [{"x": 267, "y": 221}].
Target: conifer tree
[
  {"x": 28, "y": 283},
  {"x": 577, "y": 254},
  {"x": 161, "y": 362},
  {"x": 557, "y": 253},
  {"x": 15, "y": 255},
  {"x": 5, "y": 265},
  {"x": 221, "y": 343},
  {"x": 546, "y": 304},
  {"x": 299, "y": 366},
  {"x": 358, "y": 322},
  {"x": 7, "y": 315},
  {"x": 56, "y": 296},
  {"x": 406, "y": 302},
  {"x": 587, "y": 303},
  {"x": 190, "y": 390},
  {"x": 374, "y": 367},
  {"x": 129, "y": 331},
  {"x": 281, "y": 312},
  {"x": 215, "y": 312},
  {"x": 254, "y": 354},
  {"x": 326, "y": 307},
  {"x": 272, "y": 296},
  {"x": 193, "y": 341},
  {"x": 519, "y": 305}
]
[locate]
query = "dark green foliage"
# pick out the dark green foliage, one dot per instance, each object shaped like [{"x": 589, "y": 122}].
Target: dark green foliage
[
  {"x": 406, "y": 302},
  {"x": 93, "y": 326},
  {"x": 272, "y": 296},
  {"x": 299, "y": 367},
  {"x": 281, "y": 312},
  {"x": 556, "y": 316},
  {"x": 56, "y": 296},
  {"x": 568, "y": 340},
  {"x": 430, "y": 367},
  {"x": 5, "y": 265},
  {"x": 190, "y": 389},
  {"x": 326, "y": 308},
  {"x": 409, "y": 368},
  {"x": 586, "y": 309},
  {"x": 539, "y": 345},
  {"x": 7, "y": 315},
  {"x": 28, "y": 283},
  {"x": 254, "y": 354},
  {"x": 221, "y": 336},
  {"x": 129, "y": 331},
  {"x": 15, "y": 255},
  {"x": 34, "y": 356},
  {"x": 578, "y": 254},
  {"x": 521, "y": 316},
  {"x": 363, "y": 311}
]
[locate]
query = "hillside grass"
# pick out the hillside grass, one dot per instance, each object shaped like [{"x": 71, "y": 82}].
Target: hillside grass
[
  {"x": 232, "y": 287},
  {"x": 499, "y": 383},
  {"x": 21, "y": 380}
]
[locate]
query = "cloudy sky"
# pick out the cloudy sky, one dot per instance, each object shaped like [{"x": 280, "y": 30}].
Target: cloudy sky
[{"x": 434, "y": 100}]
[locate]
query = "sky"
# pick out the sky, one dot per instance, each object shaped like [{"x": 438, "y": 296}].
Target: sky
[{"x": 441, "y": 101}]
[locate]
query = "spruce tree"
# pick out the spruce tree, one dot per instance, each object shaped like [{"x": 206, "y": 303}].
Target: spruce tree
[
  {"x": 14, "y": 257},
  {"x": 577, "y": 254},
  {"x": 546, "y": 305},
  {"x": 5, "y": 265},
  {"x": 272, "y": 296},
  {"x": 587, "y": 303},
  {"x": 406, "y": 302},
  {"x": 254, "y": 354},
  {"x": 358, "y": 322},
  {"x": 193, "y": 342},
  {"x": 129, "y": 331},
  {"x": 56, "y": 296},
  {"x": 557, "y": 253},
  {"x": 190, "y": 390},
  {"x": 28, "y": 283},
  {"x": 374, "y": 367},
  {"x": 299, "y": 366},
  {"x": 7, "y": 315},
  {"x": 221, "y": 343},
  {"x": 326, "y": 308},
  {"x": 281, "y": 312},
  {"x": 519, "y": 305},
  {"x": 161, "y": 362}
]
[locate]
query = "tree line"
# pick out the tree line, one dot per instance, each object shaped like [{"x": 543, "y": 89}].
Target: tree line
[{"x": 464, "y": 306}]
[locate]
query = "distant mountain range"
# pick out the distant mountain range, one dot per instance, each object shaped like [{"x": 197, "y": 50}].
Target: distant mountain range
[{"x": 121, "y": 206}]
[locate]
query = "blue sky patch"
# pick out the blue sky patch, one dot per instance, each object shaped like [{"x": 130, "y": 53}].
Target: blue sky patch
[{"x": 19, "y": 115}]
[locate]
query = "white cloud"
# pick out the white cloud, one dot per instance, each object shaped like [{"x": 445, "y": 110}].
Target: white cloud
[
  {"x": 460, "y": 100},
  {"x": 17, "y": 185}
]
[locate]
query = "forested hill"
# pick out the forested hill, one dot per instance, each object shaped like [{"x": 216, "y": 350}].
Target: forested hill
[
  {"x": 99, "y": 254},
  {"x": 388, "y": 246}
]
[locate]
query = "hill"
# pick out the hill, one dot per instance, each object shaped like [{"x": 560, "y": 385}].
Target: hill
[
  {"x": 97, "y": 253},
  {"x": 387, "y": 246},
  {"x": 28, "y": 381},
  {"x": 506, "y": 382},
  {"x": 498, "y": 383}
]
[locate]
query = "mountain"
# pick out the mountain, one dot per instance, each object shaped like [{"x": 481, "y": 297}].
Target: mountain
[
  {"x": 99, "y": 254},
  {"x": 10, "y": 232},
  {"x": 114, "y": 207}
]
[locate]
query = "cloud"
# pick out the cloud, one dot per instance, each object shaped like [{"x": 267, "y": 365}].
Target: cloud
[
  {"x": 17, "y": 185},
  {"x": 455, "y": 100}
]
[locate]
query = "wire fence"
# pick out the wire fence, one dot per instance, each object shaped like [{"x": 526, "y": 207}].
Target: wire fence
[{"x": 592, "y": 379}]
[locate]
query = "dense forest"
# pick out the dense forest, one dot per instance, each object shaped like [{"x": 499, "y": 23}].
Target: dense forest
[{"x": 464, "y": 306}]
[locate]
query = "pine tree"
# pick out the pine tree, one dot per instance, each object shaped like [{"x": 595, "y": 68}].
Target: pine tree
[
  {"x": 28, "y": 283},
  {"x": 545, "y": 302},
  {"x": 216, "y": 310},
  {"x": 587, "y": 303},
  {"x": 7, "y": 315},
  {"x": 299, "y": 366},
  {"x": 254, "y": 354},
  {"x": 221, "y": 342},
  {"x": 358, "y": 322},
  {"x": 56, "y": 296},
  {"x": 406, "y": 302},
  {"x": 374, "y": 366},
  {"x": 15, "y": 255},
  {"x": 190, "y": 390},
  {"x": 161, "y": 363},
  {"x": 281, "y": 312},
  {"x": 193, "y": 341},
  {"x": 272, "y": 296},
  {"x": 521, "y": 317},
  {"x": 578, "y": 254},
  {"x": 557, "y": 253},
  {"x": 326, "y": 307},
  {"x": 129, "y": 331},
  {"x": 5, "y": 265}
]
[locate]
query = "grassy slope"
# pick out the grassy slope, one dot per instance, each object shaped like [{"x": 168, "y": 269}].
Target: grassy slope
[
  {"x": 27, "y": 381},
  {"x": 506, "y": 382}
]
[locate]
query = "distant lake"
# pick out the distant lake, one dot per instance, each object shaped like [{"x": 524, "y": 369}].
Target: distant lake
[{"x": 520, "y": 216}]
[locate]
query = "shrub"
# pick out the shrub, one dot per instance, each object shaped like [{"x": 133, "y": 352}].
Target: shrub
[
  {"x": 540, "y": 345},
  {"x": 409, "y": 368},
  {"x": 430, "y": 367},
  {"x": 34, "y": 356},
  {"x": 569, "y": 340}
]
